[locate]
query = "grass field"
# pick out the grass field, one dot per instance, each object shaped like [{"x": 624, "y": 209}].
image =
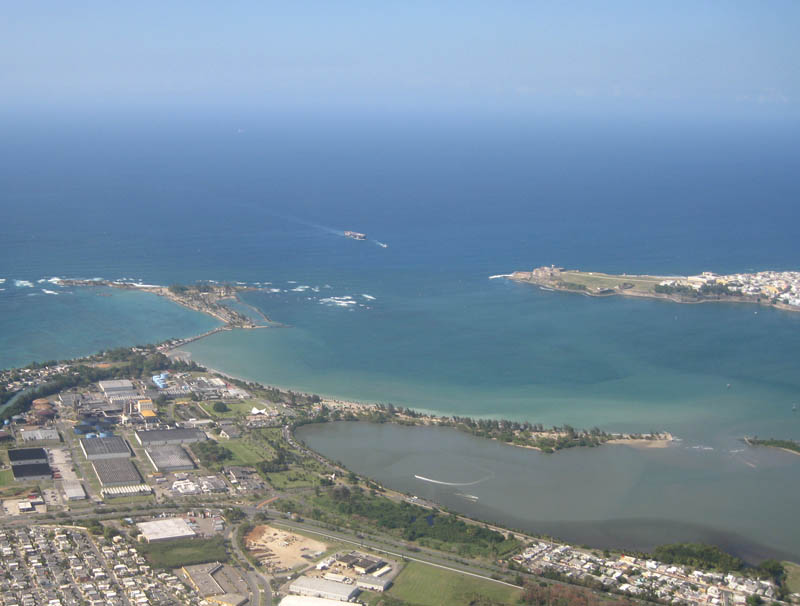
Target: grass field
[
  {"x": 239, "y": 408},
  {"x": 792, "y": 576},
  {"x": 183, "y": 552},
  {"x": 422, "y": 585},
  {"x": 296, "y": 478},
  {"x": 595, "y": 281},
  {"x": 246, "y": 452},
  {"x": 6, "y": 477}
]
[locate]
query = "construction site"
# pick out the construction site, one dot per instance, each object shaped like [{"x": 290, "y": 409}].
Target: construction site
[{"x": 278, "y": 550}]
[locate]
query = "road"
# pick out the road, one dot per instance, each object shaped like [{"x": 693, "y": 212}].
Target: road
[{"x": 259, "y": 584}]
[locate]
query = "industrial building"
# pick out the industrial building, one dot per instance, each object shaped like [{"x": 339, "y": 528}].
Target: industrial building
[
  {"x": 32, "y": 471},
  {"x": 39, "y": 434},
  {"x": 372, "y": 583},
  {"x": 116, "y": 472},
  {"x": 110, "y": 447},
  {"x": 115, "y": 386},
  {"x": 305, "y": 600},
  {"x": 162, "y": 437},
  {"x": 322, "y": 588},
  {"x": 165, "y": 530},
  {"x": 27, "y": 456},
  {"x": 171, "y": 457},
  {"x": 73, "y": 490}
]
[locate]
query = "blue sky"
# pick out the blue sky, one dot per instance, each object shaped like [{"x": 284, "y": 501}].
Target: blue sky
[{"x": 687, "y": 57}]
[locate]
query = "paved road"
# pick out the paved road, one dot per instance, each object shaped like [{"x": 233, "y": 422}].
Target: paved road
[{"x": 259, "y": 583}]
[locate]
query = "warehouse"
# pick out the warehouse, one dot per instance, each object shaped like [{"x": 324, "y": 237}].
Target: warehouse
[
  {"x": 169, "y": 458},
  {"x": 112, "y": 447},
  {"x": 165, "y": 529},
  {"x": 27, "y": 456},
  {"x": 116, "y": 472},
  {"x": 32, "y": 471},
  {"x": 116, "y": 386},
  {"x": 162, "y": 437},
  {"x": 371, "y": 583},
  {"x": 73, "y": 490},
  {"x": 305, "y": 600},
  {"x": 322, "y": 588},
  {"x": 39, "y": 435}
]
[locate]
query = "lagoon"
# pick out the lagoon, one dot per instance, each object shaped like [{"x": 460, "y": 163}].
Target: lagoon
[{"x": 741, "y": 499}]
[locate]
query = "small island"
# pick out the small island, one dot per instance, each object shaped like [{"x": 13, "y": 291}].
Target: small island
[{"x": 779, "y": 289}]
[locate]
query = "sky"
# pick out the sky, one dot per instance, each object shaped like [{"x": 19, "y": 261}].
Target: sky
[{"x": 698, "y": 57}]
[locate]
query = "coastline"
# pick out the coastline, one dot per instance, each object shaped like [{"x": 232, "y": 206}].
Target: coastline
[{"x": 707, "y": 288}]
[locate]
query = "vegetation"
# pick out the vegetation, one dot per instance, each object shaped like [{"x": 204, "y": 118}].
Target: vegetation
[
  {"x": 184, "y": 552},
  {"x": 210, "y": 453},
  {"x": 709, "y": 557},
  {"x": 786, "y": 444},
  {"x": 423, "y": 585},
  {"x": 414, "y": 523},
  {"x": 548, "y": 594},
  {"x": 220, "y": 407}
]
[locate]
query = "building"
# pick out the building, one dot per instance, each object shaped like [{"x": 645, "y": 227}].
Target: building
[
  {"x": 304, "y": 600},
  {"x": 171, "y": 457},
  {"x": 73, "y": 490},
  {"x": 162, "y": 437},
  {"x": 165, "y": 530},
  {"x": 322, "y": 588},
  {"x": 116, "y": 472},
  {"x": 371, "y": 583},
  {"x": 39, "y": 434},
  {"x": 116, "y": 386},
  {"x": 230, "y": 432},
  {"x": 27, "y": 456},
  {"x": 145, "y": 405},
  {"x": 113, "y": 447},
  {"x": 32, "y": 471}
]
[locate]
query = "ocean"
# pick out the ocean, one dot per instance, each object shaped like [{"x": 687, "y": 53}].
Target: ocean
[{"x": 263, "y": 200}]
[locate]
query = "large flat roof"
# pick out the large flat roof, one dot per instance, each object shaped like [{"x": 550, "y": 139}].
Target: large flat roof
[
  {"x": 26, "y": 454},
  {"x": 161, "y": 435},
  {"x": 324, "y": 586},
  {"x": 116, "y": 385},
  {"x": 171, "y": 456},
  {"x": 164, "y": 529},
  {"x": 105, "y": 446},
  {"x": 116, "y": 471},
  {"x": 31, "y": 470}
]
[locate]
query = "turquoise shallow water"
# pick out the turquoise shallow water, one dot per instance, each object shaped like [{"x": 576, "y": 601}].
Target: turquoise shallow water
[
  {"x": 81, "y": 321},
  {"x": 708, "y": 373}
]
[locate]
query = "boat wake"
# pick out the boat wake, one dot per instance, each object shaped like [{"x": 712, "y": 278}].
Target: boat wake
[{"x": 424, "y": 479}]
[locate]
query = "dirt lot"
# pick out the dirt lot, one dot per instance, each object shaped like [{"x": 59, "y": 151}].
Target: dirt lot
[{"x": 280, "y": 550}]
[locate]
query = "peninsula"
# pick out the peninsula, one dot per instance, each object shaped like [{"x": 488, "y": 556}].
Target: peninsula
[
  {"x": 779, "y": 289},
  {"x": 209, "y": 298}
]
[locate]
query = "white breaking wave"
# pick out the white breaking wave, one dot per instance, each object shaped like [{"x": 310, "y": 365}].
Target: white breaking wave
[
  {"x": 49, "y": 292},
  {"x": 345, "y": 301},
  {"x": 368, "y": 297},
  {"x": 424, "y": 479},
  {"x": 23, "y": 284},
  {"x": 2, "y": 280},
  {"x": 302, "y": 288},
  {"x": 495, "y": 277}
]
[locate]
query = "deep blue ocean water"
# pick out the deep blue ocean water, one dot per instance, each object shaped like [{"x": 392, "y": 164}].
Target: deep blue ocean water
[{"x": 265, "y": 199}]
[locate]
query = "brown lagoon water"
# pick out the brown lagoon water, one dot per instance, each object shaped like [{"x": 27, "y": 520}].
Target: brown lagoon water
[{"x": 742, "y": 499}]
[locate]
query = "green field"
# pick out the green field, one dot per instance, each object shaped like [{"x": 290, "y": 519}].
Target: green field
[
  {"x": 598, "y": 281},
  {"x": 6, "y": 477},
  {"x": 184, "y": 552},
  {"x": 422, "y": 585},
  {"x": 296, "y": 478},
  {"x": 247, "y": 452},
  {"x": 238, "y": 408},
  {"x": 792, "y": 576}
]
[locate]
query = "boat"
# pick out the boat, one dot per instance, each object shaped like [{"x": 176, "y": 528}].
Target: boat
[{"x": 355, "y": 235}]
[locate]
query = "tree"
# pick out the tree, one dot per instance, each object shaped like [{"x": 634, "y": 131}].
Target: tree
[{"x": 220, "y": 407}]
